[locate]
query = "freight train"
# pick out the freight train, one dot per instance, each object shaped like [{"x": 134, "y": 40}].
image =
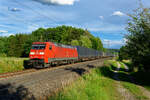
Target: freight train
[{"x": 45, "y": 54}]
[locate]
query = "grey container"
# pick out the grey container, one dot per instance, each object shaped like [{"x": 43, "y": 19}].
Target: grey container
[{"x": 87, "y": 52}]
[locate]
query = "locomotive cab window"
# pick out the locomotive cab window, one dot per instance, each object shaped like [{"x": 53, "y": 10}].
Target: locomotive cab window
[
  {"x": 38, "y": 46},
  {"x": 50, "y": 47}
]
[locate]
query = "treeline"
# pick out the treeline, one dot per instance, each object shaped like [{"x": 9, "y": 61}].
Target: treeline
[
  {"x": 19, "y": 45},
  {"x": 112, "y": 50},
  {"x": 137, "y": 47}
]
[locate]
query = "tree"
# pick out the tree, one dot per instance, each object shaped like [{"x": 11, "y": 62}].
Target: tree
[
  {"x": 3, "y": 46},
  {"x": 85, "y": 42},
  {"x": 96, "y": 43},
  {"x": 75, "y": 43},
  {"x": 123, "y": 53},
  {"x": 138, "y": 41}
]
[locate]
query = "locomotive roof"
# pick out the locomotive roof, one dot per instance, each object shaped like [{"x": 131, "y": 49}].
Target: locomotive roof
[
  {"x": 39, "y": 42},
  {"x": 64, "y": 46},
  {"x": 56, "y": 44}
]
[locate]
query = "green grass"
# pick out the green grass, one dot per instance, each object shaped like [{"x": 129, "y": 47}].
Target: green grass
[
  {"x": 134, "y": 90},
  {"x": 122, "y": 65},
  {"x": 127, "y": 83},
  {"x": 111, "y": 62},
  {"x": 93, "y": 86},
  {"x": 129, "y": 64},
  {"x": 11, "y": 64}
]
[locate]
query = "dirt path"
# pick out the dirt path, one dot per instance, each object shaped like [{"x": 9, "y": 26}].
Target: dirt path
[
  {"x": 144, "y": 91},
  {"x": 126, "y": 67},
  {"x": 126, "y": 95}
]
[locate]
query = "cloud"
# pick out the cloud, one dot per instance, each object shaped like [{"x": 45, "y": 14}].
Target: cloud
[
  {"x": 33, "y": 27},
  {"x": 10, "y": 34},
  {"x": 14, "y": 9},
  {"x": 118, "y": 13},
  {"x": 3, "y": 31},
  {"x": 57, "y": 2},
  {"x": 101, "y": 17},
  {"x": 125, "y": 40},
  {"x": 6, "y": 34},
  {"x": 107, "y": 28},
  {"x": 113, "y": 43}
]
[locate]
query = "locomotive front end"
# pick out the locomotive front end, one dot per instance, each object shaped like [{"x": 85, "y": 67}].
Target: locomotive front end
[{"x": 37, "y": 54}]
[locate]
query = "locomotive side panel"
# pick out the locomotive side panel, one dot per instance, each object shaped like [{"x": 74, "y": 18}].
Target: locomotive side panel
[{"x": 63, "y": 52}]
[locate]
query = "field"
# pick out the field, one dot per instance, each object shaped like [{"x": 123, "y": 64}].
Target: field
[
  {"x": 104, "y": 83},
  {"x": 11, "y": 64}
]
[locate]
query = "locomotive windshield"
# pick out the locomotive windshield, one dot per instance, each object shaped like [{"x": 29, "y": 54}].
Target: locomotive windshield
[{"x": 38, "y": 46}]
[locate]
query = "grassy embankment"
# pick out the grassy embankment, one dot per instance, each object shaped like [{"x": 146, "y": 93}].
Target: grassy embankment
[
  {"x": 92, "y": 86},
  {"x": 99, "y": 84},
  {"x": 11, "y": 64}
]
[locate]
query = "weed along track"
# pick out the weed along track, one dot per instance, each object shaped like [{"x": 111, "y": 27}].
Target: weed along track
[
  {"x": 11, "y": 74},
  {"x": 38, "y": 84},
  {"x": 29, "y": 71}
]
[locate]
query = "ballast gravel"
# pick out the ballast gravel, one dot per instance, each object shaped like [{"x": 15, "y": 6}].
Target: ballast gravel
[{"x": 40, "y": 85}]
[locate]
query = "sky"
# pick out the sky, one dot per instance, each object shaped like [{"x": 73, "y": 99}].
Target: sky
[{"x": 106, "y": 19}]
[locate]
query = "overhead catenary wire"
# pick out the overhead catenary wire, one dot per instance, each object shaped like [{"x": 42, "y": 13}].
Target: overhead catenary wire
[
  {"x": 35, "y": 11},
  {"x": 27, "y": 21}
]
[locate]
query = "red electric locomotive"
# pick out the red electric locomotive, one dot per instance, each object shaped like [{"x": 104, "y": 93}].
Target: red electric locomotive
[{"x": 43, "y": 54}]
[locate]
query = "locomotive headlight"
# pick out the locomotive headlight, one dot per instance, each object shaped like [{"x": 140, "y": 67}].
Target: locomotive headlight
[
  {"x": 41, "y": 53},
  {"x": 32, "y": 53}
]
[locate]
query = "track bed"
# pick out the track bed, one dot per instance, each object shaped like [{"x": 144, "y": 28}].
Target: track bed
[{"x": 42, "y": 83}]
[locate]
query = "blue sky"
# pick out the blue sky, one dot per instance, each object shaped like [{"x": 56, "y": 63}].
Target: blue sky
[{"x": 106, "y": 19}]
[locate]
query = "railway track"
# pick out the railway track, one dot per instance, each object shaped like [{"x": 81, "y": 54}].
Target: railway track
[
  {"x": 41, "y": 83},
  {"x": 10, "y": 74},
  {"x": 27, "y": 71}
]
